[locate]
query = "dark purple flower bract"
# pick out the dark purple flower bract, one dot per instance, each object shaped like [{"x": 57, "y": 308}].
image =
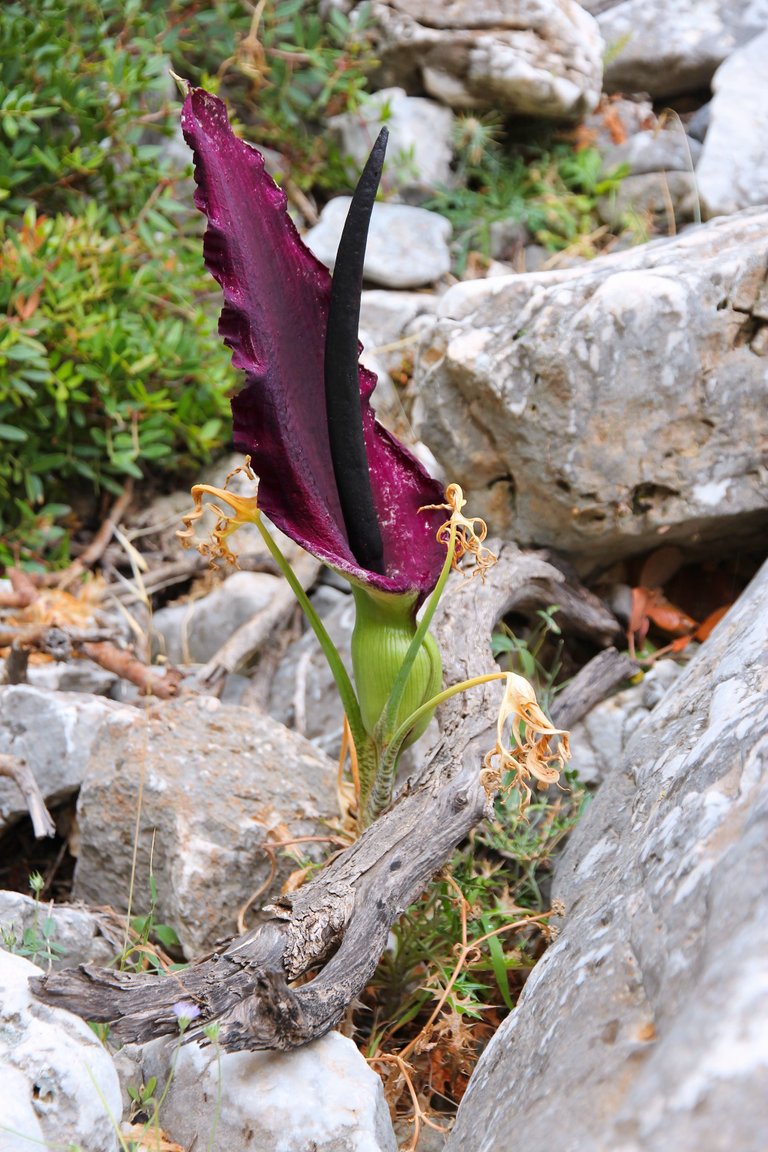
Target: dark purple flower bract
[{"x": 276, "y": 299}]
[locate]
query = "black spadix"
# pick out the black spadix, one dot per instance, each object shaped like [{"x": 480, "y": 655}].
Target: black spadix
[{"x": 342, "y": 387}]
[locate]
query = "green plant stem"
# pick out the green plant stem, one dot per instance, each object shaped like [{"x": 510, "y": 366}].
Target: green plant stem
[
  {"x": 341, "y": 676},
  {"x": 380, "y": 795},
  {"x": 386, "y": 725},
  {"x": 440, "y": 698}
]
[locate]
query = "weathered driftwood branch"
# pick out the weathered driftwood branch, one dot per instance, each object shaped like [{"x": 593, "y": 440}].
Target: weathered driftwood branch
[
  {"x": 19, "y": 771},
  {"x": 337, "y": 924}
]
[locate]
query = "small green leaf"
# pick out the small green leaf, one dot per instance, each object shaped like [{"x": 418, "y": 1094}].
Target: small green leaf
[{"x": 8, "y": 432}]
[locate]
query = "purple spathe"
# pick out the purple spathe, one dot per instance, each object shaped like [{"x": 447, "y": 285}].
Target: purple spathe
[{"x": 276, "y": 298}]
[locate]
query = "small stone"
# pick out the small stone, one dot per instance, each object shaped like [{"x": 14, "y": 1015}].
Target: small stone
[
  {"x": 407, "y": 247},
  {"x": 76, "y": 935},
  {"x": 668, "y": 197},
  {"x": 667, "y": 150},
  {"x": 598, "y": 741}
]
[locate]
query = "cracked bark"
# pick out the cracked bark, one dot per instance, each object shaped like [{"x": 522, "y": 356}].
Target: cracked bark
[{"x": 335, "y": 927}]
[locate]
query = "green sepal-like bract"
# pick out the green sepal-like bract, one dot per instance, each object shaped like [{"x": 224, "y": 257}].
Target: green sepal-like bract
[{"x": 384, "y": 628}]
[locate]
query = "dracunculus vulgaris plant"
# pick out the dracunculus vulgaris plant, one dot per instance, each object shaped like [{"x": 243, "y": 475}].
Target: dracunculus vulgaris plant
[{"x": 325, "y": 472}]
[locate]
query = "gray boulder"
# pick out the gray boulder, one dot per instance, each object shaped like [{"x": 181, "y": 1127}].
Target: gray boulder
[
  {"x": 664, "y": 199},
  {"x": 598, "y": 408},
  {"x": 58, "y": 1085},
  {"x": 213, "y": 787},
  {"x": 645, "y": 1026},
  {"x": 733, "y": 170},
  {"x": 420, "y": 147},
  {"x": 654, "y": 150},
  {"x": 407, "y": 247},
  {"x": 533, "y": 57},
  {"x": 665, "y": 49},
  {"x": 323, "y": 1097},
  {"x": 193, "y": 630}
]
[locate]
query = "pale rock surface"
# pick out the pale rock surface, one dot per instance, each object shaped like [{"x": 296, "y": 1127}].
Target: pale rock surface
[
  {"x": 58, "y": 1085},
  {"x": 533, "y": 57},
  {"x": 54, "y": 733},
  {"x": 77, "y": 935},
  {"x": 388, "y": 318},
  {"x": 193, "y": 630},
  {"x": 600, "y": 408},
  {"x": 420, "y": 149},
  {"x": 215, "y": 785},
  {"x": 665, "y": 49},
  {"x": 407, "y": 247},
  {"x": 390, "y": 328},
  {"x": 322, "y": 1097},
  {"x": 644, "y": 1028},
  {"x": 733, "y": 170},
  {"x": 598, "y": 741}
]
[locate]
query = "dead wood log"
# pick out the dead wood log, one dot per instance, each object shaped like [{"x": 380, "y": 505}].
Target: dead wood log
[{"x": 336, "y": 925}]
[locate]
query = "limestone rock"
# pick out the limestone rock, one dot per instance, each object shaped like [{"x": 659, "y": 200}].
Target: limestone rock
[
  {"x": 531, "y": 57},
  {"x": 645, "y": 1025},
  {"x": 420, "y": 148},
  {"x": 387, "y": 318},
  {"x": 211, "y": 783},
  {"x": 54, "y": 733},
  {"x": 407, "y": 247},
  {"x": 58, "y": 1085},
  {"x": 323, "y": 1096},
  {"x": 665, "y": 49},
  {"x": 192, "y": 631},
  {"x": 599, "y": 408},
  {"x": 733, "y": 170}
]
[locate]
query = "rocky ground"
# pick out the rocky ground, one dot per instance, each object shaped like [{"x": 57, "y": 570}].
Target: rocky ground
[{"x": 612, "y": 412}]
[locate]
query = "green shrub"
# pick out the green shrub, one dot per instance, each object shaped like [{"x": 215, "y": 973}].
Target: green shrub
[
  {"x": 106, "y": 361},
  {"x": 109, "y": 360}
]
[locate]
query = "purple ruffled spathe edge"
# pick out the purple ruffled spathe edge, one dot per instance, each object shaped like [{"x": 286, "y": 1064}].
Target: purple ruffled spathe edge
[{"x": 276, "y": 296}]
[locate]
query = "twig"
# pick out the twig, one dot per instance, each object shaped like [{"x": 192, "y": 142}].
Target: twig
[
  {"x": 125, "y": 665},
  {"x": 23, "y": 777},
  {"x": 24, "y": 590}
]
